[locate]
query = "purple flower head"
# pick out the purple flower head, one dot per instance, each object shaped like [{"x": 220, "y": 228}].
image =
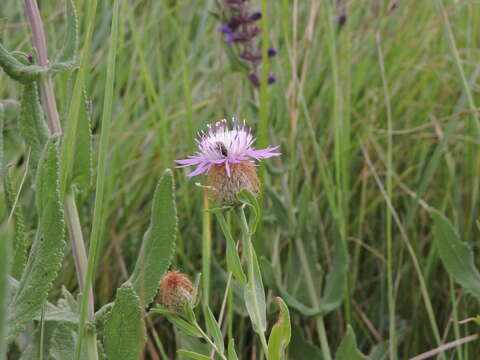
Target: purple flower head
[
  {"x": 221, "y": 145},
  {"x": 256, "y": 16},
  {"x": 228, "y": 32},
  {"x": 271, "y": 78},
  {"x": 272, "y": 52},
  {"x": 225, "y": 29},
  {"x": 254, "y": 79}
]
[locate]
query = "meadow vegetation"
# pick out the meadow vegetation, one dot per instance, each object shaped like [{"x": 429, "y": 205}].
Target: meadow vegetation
[{"x": 367, "y": 223}]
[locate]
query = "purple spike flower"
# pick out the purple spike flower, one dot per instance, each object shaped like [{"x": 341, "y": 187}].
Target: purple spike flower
[{"x": 221, "y": 145}]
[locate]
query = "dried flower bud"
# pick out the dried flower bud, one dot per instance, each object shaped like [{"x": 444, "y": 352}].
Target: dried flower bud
[{"x": 176, "y": 291}]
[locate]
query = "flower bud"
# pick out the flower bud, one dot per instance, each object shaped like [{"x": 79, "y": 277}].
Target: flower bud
[
  {"x": 176, "y": 291},
  {"x": 223, "y": 189}
]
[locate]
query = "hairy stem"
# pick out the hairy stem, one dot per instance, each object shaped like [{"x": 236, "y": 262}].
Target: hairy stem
[
  {"x": 46, "y": 86},
  {"x": 50, "y": 108}
]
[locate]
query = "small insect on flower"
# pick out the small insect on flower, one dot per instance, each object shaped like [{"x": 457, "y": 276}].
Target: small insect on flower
[
  {"x": 228, "y": 158},
  {"x": 176, "y": 290}
]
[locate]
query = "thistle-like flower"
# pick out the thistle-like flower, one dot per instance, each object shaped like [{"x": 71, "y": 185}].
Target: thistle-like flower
[
  {"x": 228, "y": 158},
  {"x": 176, "y": 291}
]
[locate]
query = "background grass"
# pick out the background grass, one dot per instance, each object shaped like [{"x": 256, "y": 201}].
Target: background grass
[{"x": 329, "y": 111}]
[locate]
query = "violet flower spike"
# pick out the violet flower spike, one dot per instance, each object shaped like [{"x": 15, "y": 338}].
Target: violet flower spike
[{"x": 226, "y": 147}]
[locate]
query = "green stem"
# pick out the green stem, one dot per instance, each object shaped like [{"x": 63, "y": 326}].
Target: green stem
[
  {"x": 210, "y": 342},
  {"x": 322, "y": 334},
  {"x": 206, "y": 250},
  {"x": 251, "y": 280}
]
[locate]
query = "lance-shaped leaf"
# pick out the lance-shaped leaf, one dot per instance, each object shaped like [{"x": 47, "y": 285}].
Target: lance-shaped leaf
[
  {"x": 280, "y": 334},
  {"x": 32, "y": 125},
  {"x": 158, "y": 242},
  {"x": 456, "y": 255},
  {"x": 68, "y": 57},
  {"x": 178, "y": 321},
  {"x": 5, "y": 246},
  {"x": 19, "y": 71},
  {"x": 214, "y": 330},
  {"x": 47, "y": 250},
  {"x": 21, "y": 243},
  {"x": 82, "y": 167},
  {"x": 193, "y": 355},
  {"x": 336, "y": 278},
  {"x": 124, "y": 330},
  {"x": 348, "y": 348},
  {"x": 254, "y": 295},
  {"x": 2, "y": 121}
]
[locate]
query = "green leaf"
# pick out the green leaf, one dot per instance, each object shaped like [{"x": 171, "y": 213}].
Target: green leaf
[
  {"x": 32, "y": 351},
  {"x": 68, "y": 57},
  {"x": 334, "y": 289},
  {"x": 21, "y": 243},
  {"x": 233, "y": 259},
  {"x": 82, "y": 166},
  {"x": 2, "y": 122},
  {"x": 124, "y": 330},
  {"x": 214, "y": 330},
  {"x": 32, "y": 124},
  {"x": 348, "y": 348},
  {"x": 280, "y": 334},
  {"x": 158, "y": 243},
  {"x": 62, "y": 344},
  {"x": 232, "y": 355},
  {"x": 19, "y": 71},
  {"x": 247, "y": 198},
  {"x": 256, "y": 291},
  {"x": 178, "y": 321},
  {"x": 47, "y": 250},
  {"x": 457, "y": 256},
  {"x": 193, "y": 355},
  {"x": 6, "y": 235}
]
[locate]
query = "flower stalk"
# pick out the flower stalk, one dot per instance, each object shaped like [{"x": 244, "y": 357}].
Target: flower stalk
[{"x": 250, "y": 258}]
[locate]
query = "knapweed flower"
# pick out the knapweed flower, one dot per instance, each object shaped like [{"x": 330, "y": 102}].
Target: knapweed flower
[
  {"x": 240, "y": 31},
  {"x": 176, "y": 290},
  {"x": 228, "y": 158}
]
